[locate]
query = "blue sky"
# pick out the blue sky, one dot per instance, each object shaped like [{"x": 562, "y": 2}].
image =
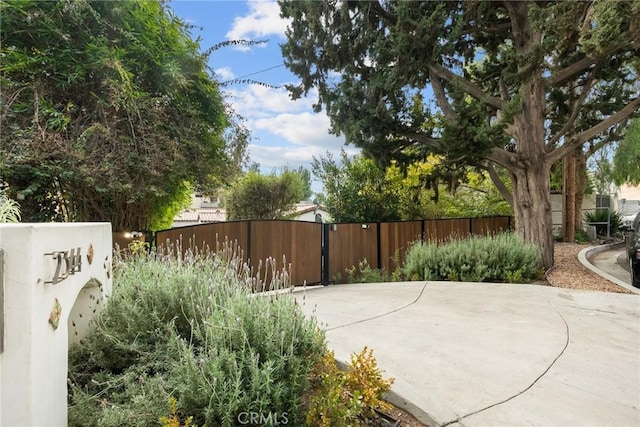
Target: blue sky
[{"x": 284, "y": 132}]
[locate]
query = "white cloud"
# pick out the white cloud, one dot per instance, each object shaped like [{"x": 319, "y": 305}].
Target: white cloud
[
  {"x": 224, "y": 73},
  {"x": 262, "y": 21},
  {"x": 305, "y": 128},
  {"x": 286, "y": 132},
  {"x": 256, "y": 101},
  {"x": 272, "y": 110},
  {"x": 277, "y": 157}
]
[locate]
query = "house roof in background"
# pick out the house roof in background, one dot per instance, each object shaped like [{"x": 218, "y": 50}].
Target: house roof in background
[
  {"x": 201, "y": 215},
  {"x": 217, "y": 214},
  {"x": 307, "y": 207}
]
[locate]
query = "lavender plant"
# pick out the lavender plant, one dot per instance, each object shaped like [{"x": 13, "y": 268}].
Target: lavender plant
[{"x": 190, "y": 326}]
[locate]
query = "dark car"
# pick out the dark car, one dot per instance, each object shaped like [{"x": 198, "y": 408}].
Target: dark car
[{"x": 632, "y": 239}]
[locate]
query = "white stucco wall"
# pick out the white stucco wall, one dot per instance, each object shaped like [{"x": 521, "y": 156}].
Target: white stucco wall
[
  {"x": 628, "y": 199},
  {"x": 311, "y": 216},
  {"x": 588, "y": 205},
  {"x": 33, "y": 364}
]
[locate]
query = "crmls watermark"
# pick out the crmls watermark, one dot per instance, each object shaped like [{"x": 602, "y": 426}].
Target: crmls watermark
[{"x": 263, "y": 419}]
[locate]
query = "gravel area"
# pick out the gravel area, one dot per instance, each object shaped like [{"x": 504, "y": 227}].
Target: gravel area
[{"x": 568, "y": 272}]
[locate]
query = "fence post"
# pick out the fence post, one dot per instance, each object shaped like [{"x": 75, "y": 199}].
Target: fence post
[
  {"x": 379, "y": 245},
  {"x": 249, "y": 242},
  {"x": 324, "y": 257}
]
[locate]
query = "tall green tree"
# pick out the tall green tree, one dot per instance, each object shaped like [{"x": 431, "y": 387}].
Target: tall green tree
[
  {"x": 305, "y": 176},
  {"x": 108, "y": 111},
  {"x": 356, "y": 189},
  {"x": 577, "y": 105},
  {"x": 359, "y": 190},
  {"x": 626, "y": 160},
  {"x": 257, "y": 196},
  {"x": 372, "y": 61}
]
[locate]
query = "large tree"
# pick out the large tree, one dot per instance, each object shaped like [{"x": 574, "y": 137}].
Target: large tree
[
  {"x": 359, "y": 190},
  {"x": 273, "y": 196},
  {"x": 356, "y": 189},
  {"x": 491, "y": 67},
  {"x": 626, "y": 161},
  {"x": 108, "y": 112}
]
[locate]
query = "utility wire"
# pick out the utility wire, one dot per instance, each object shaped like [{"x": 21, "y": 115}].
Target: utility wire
[{"x": 252, "y": 74}]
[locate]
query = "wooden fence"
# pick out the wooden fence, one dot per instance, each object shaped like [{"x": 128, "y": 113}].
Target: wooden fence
[{"x": 320, "y": 253}]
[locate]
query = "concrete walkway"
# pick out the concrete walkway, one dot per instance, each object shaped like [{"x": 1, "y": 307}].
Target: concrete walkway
[{"x": 481, "y": 354}]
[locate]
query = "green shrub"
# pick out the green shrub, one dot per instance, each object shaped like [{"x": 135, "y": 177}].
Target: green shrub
[
  {"x": 175, "y": 419},
  {"x": 9, "y": 209},
  {"x": 421, "y": 261},
  {"x": 503, "y": 257},
  {"x": 582, "y": 237},
  {"x": 344, "y": 398},
  {"x": 191, "y": 328},
  {"x": 363, "y": 273},
  {"x": 604, "y": 215}
]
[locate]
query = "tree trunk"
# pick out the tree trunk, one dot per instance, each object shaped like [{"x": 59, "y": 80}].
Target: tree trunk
[
  {"x": 581, "y": 186},
  {"x": 532, "y": 187},
  {"x": 569, "y": 198},
  {"x": 532, "y": 208}
]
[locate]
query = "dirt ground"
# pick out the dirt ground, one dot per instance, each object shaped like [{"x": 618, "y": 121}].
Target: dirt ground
[{"x": 568, "y": 272}]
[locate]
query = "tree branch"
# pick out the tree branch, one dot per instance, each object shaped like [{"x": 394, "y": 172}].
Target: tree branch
[
  {"x": 423, "y": 139},
  {"x": 466, "y": 85},
  {"x": 441, "y": 98},
  {"x": 614, "y": 135},
  {"x": 575, "y": 110},
  {"x": 504, "y": 90},
  {"x": 497, "y": 155},
  {"x": 577, "y": 67},
  {"x": 500, "y": 185},
  {"x": 504, "y": 158},
  {"x": 592, "y": 132},
  {"x": 385, "y": 14}
]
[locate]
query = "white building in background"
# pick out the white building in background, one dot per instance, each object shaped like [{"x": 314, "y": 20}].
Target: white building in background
[
  {"x": 624, "y": 200},
  {"x": 309, "y": 211},
  {"x": 628, "y": 199}
]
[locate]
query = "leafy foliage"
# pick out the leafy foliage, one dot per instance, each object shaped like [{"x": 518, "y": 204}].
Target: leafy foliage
[
  {"x": 603, "y": 217},
  {"x": 109, "y": 111},
  {"x": 257, "y": 196},
  {"x": 9, "y": 209},
  {"x": 344, "y": 398},
  {"x": 189, "y": 328},
  {"x": 626, "y": 161},
  {"x": 363, "y": 273},
  {"x": 173, "y": 420},
  {"x": 475, "y": 196},
  {"x": 504, "y": 257},
  {"x": 358, "y": 190}
]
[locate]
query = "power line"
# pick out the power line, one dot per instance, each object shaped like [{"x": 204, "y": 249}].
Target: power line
[{"x": 252, "y": 74}]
